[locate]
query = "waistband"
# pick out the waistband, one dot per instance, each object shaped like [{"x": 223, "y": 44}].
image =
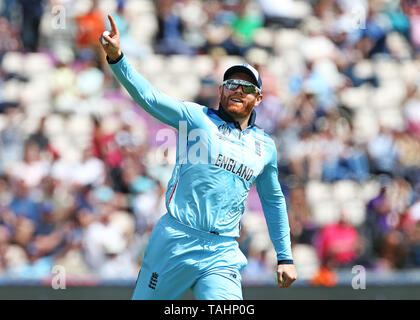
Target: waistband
[{"x": 207, "y": 235}]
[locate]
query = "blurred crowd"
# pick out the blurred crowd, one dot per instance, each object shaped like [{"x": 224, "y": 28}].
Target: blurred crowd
[{"x": 82, "y": 174}]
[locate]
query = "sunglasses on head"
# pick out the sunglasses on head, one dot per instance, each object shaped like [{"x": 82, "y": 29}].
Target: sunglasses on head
[{"x": 247, "y": 87}]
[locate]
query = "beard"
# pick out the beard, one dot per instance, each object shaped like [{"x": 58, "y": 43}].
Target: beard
[{"x": 236, "y": 109}]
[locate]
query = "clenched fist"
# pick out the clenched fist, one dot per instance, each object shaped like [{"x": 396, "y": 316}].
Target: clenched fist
[{"x": 286, "y": 275}]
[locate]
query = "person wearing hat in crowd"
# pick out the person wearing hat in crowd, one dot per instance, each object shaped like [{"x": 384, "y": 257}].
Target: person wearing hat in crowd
[{"x": 220, "y": 155}]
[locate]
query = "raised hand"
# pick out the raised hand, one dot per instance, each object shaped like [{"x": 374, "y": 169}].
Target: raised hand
[{"x": 112, "y": 47}]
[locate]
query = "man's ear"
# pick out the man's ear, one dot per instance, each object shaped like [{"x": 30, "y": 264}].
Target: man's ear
[
  {"x": 258, "y": 100},
  {"x": 220, "y": 90}
]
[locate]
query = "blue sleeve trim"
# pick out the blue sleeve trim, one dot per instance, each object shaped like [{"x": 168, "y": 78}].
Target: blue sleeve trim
[{"x": 110, "y": 61}]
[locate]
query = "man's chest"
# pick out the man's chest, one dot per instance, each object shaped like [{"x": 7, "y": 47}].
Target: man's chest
[{"x": 221, "y": 144}]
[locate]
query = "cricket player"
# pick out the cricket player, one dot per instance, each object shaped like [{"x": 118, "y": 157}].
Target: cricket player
[{"x": 194, "y": 244}]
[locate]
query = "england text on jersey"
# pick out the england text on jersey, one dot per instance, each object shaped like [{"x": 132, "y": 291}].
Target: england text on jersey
[{"x": 232, "y": 165}]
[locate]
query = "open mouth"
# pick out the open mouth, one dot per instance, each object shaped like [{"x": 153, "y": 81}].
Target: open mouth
[{"x": 236, "y": 100}]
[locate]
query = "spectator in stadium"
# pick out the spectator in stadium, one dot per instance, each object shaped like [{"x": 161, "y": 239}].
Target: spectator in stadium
[
  {"x": 89, "y": 27},
  {"x": 302, "y": 226},
  {"x": 408, "y": 148},
  {"x": 9, "y": 38},
  {"x": 306, "y": 156},
  {"x": 372, "y": 38},
  {"x": 350, "y": 164},
  {"x": 5, "y": 237},
  {"x": 393, "y": 251},
  {"x": 382, "y": 152},
  {"x": 23, "y": 205},
  {"x": 169, "y": 38},
  {"x": 90, "y": 79},
  {"x": 412, "y": 10},
  {"x": 11, "y": 138},
  {"x": 33, "y": 168},
  {"x": 411, "y": 227},
  {"x": 23, "y": 232},
  {"x": 399, "y": 21},
  {"x": 378, "y": 209},
  {"x": 71, "y": 255},
  {"x": 146, "y": 202},
  {"x": 46, "y": 245},
  {"x": 9, "y": 9},
  {"x": 411, "y": 110},
  {"x": 32, "y": 11},
  {"x": 40, "y": 138},
  {"x": 130, "y": 45},
  {"x": 257, "y": 269},
  {"x": 338, "y": 244},
  {"x": 89, "y": 171},
  {"x": 387, "y": 244},
  {"x": 272, "y": 109},
  {"x": 243, "y": 27},
  {"x": 119, "y": 262}
]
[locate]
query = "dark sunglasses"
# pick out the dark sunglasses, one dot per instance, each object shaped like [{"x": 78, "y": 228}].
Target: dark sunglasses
[{"x": 247, "y": 87}]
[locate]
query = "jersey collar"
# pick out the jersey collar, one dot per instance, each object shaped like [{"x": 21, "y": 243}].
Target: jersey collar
[{"x": 223, "y": 115}]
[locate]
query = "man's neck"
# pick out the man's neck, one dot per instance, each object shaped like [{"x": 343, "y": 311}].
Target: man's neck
[{"x": 241, "y": 123}]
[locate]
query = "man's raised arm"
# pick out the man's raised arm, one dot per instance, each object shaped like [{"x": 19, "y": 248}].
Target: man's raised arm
[{"x": 164, "y": 108}]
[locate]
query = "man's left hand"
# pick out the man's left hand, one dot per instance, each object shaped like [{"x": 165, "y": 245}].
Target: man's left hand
[{"x": 286, "y": 275}]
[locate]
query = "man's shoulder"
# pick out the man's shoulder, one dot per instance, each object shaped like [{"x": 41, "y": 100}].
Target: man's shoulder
[
  {"x": 193, "y": 104},
  {"x": 201, "y": 112},
  {"x": 195, "y": 112},
  {"x": 194, "y": 107}
]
